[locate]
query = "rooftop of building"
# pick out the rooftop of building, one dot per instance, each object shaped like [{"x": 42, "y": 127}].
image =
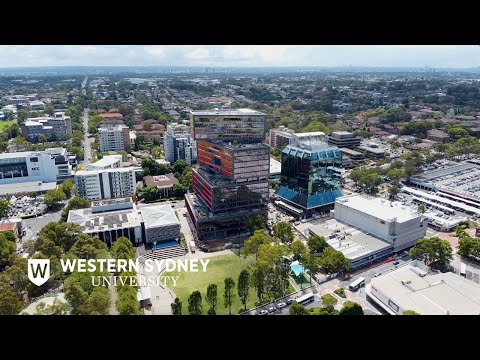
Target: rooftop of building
[
  {"x": 372, "y": 150},
  {"x": 342, "y": 134},
  {"x": 50, "y": 151},
  {"x": 110, "y": 115},
  {"x": 445, "y": 168},
  {"x": 108, "y": 220},
  {"x": 7, "y": 227},
  {"x": 26, "y": 187},
  {"x": 275, "y": 166},
  {"x": 313, "y": 151},
  {"x": 438, "y": 294},
  {"x": 107, "y": 160},
  {"x": 228, "y": 112},
  {"x": 350, "y": 152},
  {"x": 352, "y": 242},
  {"x": 167, "y": 180},
  {"x": 112, "y": 127},
  {"x": 377, "y": 207},
  {"x": 158, "y": 215},
  {"x": 237, "y": 145},
  {"x": 101, "y": 171}
]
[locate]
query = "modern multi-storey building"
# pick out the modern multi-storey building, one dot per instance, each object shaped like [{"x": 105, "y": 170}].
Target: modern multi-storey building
[
  {"x": 114, "y": 138},
  {"x": 33, "y": 167},
  {"x": 311, "y": 173},
  {"x": 281, "y": 137},
  {"x": 179, "y": 144},
  {"x": 105, "y": 184},
  {"x": 58, "y": 127},
  {"x": 230, "y": 180},
  {"x": 343, "y": 139},
  {"x": 106, "y": 162}
]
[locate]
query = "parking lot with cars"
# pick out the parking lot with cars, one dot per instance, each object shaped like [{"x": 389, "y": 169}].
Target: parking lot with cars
[{"x": 26, "y": 206}]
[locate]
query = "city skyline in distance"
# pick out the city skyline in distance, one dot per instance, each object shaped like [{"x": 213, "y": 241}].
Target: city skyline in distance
[{"x": 243, "y": 56}]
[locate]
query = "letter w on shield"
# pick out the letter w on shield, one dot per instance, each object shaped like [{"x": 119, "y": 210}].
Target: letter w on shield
[{"x": 39, "y": 271}]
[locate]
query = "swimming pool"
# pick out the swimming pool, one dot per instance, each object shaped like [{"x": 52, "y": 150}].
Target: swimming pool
[
  {"x": 164, "y": 245},
  {"x": 298, "y": 269}
]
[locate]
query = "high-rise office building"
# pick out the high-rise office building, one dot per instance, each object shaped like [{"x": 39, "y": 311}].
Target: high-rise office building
[
  {"x": 179, "y": 144},
  {"x": 230, "y": 180},
  {"x": 311, "y": 173}
]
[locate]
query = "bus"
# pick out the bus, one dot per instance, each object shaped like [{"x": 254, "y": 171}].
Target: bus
[
  {"x": 192, "y": 246},
  {"x": 305, "y": 299},
  {"x": 463, "y": 269},
  {"x": 355, "y": 285}
]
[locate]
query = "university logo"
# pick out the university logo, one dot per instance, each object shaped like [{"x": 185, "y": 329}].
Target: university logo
[{"x": 39, "y": 271}]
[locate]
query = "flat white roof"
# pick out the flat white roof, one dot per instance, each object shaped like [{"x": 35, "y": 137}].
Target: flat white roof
[
  {"x": 158, "y": 215},
  {"x": 227, "y": 112},
  {"x": 101, "y": 171},
  {"x": 438, "y": 294},
  {"x": 377, "y": 207},
  {"x": 26, "y": 187},
  {"x": 107, "y": 160},
  {"x": 275, "y": 166}
]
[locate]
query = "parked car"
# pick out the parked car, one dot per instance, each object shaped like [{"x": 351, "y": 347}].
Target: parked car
[
  {"x": 304, "y": 221},
  {"x": 396, "y": 262},
  {"x": 378, "y": 274},
  {"x": 262, "y": 312},
  {"x": 281, "y": 305},
  {"x": 289, "y": 301},
  {"x": 271, "y": 309}
]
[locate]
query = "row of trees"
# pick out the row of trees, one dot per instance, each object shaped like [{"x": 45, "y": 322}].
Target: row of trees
[
  {"x": 349, "y": 308},
  {"x": 63, "y": 192}
]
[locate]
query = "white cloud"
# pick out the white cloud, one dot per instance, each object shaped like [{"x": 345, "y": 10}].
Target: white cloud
[{"x": 241, "y": 55}]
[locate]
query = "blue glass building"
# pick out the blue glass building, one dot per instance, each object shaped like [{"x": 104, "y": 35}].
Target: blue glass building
[{"x": 311, "y": 175}]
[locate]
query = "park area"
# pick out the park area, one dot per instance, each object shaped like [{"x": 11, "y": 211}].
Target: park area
[{"x": 218, "y": 269}]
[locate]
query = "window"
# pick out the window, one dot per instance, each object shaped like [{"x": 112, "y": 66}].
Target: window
[
  {"x": 393, "y": 305},
  {"x": 34, "y": 159}
]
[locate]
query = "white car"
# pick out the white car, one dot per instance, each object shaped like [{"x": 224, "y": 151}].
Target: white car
[
  {"x": 263, "y": 312},
  {"x": 281, "y": 305},
  {"x": 271, "y": 309}
]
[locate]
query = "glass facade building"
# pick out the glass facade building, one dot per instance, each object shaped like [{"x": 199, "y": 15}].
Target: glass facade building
[
  {"x": 230, "y": 180},
  {"x": 311, "y": 175}
]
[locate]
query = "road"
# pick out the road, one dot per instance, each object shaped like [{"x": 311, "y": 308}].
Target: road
[
  {"x": 86, "y": 140},
  {"x": 84, "y": 83},
  {"x": 34, "y": 225}
]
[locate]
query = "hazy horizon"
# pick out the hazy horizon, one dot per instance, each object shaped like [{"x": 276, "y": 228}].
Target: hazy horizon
[{"x": 244, "y": 56}]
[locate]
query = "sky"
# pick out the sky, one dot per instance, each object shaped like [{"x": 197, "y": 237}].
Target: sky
[{"x": 440, "y": 56}]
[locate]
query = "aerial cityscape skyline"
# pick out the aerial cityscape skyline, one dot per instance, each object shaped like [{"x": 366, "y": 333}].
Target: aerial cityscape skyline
[{"x": 441, "y": 56}]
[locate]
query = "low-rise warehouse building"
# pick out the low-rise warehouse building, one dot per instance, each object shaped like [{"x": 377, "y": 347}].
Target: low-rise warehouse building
[{"x": 410, "y": 288}]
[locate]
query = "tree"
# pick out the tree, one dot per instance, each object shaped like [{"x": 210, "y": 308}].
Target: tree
[
  {"x": 312, "y": 263},
  {"x": 67, "y": 188},
  {"x": 59, "y": 235},
  {"x": 74, "y": 204},
  {"x": 254, "y": 223},
  {"x": 43, "y": 138},
  {"x": 421, "y": 209},
  {"x": 229, "y": 295},
  {"x": 7, "y": 248},
  {"x": 395, "y": 175},
  {"x": 10, "y": 304},
  {"x": 244, "y": 287},
  {"x": 88, "y": 247},
  {"x": 410, "y": 312},
  {"x": 100, "y": 300},
  {"x": 432, "y": 251},
  {"x": 252, "y": 244},
  {"x": 49, "y": 109},
  {"x": 351, "y": 308},
  {"x": 195, "y": 303},
  {"x": 54, "y": 197},
  {"x": 467, "y": 245},
  {"x": 179, "y": 166},
  {"x": 316, "y": 244},
  {"x": 334, "y": 261},
  {"x": 212, "y": 298},
  {"x": 127, "y": 303},
  {"x": 176, "y": 307},
  {"x": 393, "y": 191},
  {"x": 259, "y": 283},
  {"x": 329, "y": 302},
  {"x": 4, "y": 208},
  {"x": 282, "y": 231},
  {"x": 74, "y": 293},
  {"x": 147, "y": 125},
  {"x": 157, "y": 152},
  {"x": 456, "y": 132},
  {"x": 123, "y": 249},
  {"x": 57, "y": 308},
  {"x": 297, "y": 309},
  {"x": 299, "y": 249}
]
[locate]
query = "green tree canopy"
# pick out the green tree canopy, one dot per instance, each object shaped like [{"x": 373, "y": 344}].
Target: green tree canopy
[
  {"x": 54, "y": 197},
  {"x": 334, "y": 261},
  {"x": 229, "y": 294},
  {"x": 254, "y": 223},
  {"x": 212, "y": 298},
  {"x": 316, "y": 244},
  {"x": 432, "y": 251},
  {"x": 282, "y": 231},
  {"x": 297, "y": 309},
  {"x": 4, "y": 208},
  {"x": 244, "y": 287},
  {"x": 351, "y": 308},
  {"x": 195, "y": 303},
  {"x": 176, "y": 307}
]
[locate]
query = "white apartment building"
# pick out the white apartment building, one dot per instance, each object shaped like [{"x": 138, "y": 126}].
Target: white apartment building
[
  {"x": 179, "y": 144},
  {"x": 59, "y": 126},
  {"x": 106, "y": 183},
  {"x": 34, "y": 166},
  {"x": 281, "y": 137},
  {"x": 107, "y": 162},
  {"x": 114, "y": 138}
]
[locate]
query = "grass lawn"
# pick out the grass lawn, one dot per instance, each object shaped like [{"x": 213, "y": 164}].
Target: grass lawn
[
  {"x": 5, "y": 123},
  {"x": 219, "y": 268}
]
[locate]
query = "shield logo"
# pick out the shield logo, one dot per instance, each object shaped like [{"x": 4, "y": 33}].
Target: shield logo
[{"x": 39, "y": 271}]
